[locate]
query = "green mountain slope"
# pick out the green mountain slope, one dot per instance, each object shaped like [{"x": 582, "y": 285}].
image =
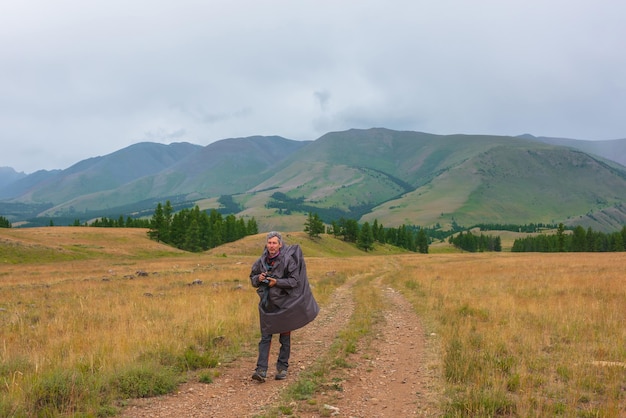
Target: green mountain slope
[
  {"x": 423, "y": 179},
  {"x": 108, "y": 172},
  {"x": 223, "y": 167},
  {"x": 396, "y": 177},
  {"x": 614, "y": 150}
]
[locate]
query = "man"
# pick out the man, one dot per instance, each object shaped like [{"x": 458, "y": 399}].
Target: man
[{"x": 286, "y": 302}]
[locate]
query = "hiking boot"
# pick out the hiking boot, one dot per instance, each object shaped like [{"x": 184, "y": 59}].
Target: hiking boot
[
  {"x": 259, "y": 375},
  {"x": 281, "y": 375}
]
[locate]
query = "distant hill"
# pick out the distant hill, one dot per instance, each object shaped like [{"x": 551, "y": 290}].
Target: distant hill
[
  {"x": 8, "y": 176},
  {"x": 614, "y": 150},
  {"x": 395, "y": 177},
  {"x": 99, "y": 173}
]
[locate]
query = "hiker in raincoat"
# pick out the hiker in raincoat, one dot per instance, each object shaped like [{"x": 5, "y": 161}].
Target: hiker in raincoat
[{"x": 286, "y": 302}]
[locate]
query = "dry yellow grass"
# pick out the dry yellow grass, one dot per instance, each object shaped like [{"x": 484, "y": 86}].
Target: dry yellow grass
[
  {"x": 525, "y": 332},
  {"x": 520, "y": 334}
]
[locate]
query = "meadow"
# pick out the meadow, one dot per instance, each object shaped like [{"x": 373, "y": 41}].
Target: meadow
[{"x": 90, "y": 317}]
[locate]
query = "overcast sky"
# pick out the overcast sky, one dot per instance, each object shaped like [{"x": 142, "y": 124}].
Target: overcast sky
[{"x": 79, "y": 79}]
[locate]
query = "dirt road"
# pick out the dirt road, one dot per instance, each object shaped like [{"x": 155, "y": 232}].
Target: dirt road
[{"x": 396, "y": 375}]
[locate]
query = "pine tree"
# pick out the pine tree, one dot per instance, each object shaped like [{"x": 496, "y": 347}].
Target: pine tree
[
  {"x": 251, "y": 227},
  {"x": 192, "y": 237},
  {"x": 4, "y": 222},
  {"x": 365, "y": 240},
  {"x": 157, "y": 224},
  {"x": 351, "y": 231},
  {"x": 561, "y": 237},
  {"x": 314, "y": 226},
  {"x": 167, "y": 219},
  {"x": 422, "y": 241}
]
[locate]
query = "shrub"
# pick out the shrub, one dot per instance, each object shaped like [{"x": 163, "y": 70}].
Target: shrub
[
  {"x": 144, "y": 381},
  {"x": 58, "y": 392}
]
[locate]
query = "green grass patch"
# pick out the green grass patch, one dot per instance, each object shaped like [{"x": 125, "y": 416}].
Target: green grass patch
[{"x": 145, "y": 380}]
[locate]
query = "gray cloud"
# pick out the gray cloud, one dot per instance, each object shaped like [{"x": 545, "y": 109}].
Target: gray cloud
[
  {"x": 323, "y": 97},
  {"x": 84, "y": 79}
]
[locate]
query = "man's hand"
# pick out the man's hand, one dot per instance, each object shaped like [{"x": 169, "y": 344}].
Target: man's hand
[{"x": 271, "y": 280}]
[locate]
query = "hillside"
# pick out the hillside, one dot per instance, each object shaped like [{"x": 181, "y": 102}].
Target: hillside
[
  {"x": 614, "y": 150},
  {"x": 100, "y": 173},
  {"x": 515, "y": 183},
  {"x": 62, "y": 244},
  {"x": 396, "y": 177},
  {"x": 416, "y": 178},
  {"x": 221, "y": 168}
]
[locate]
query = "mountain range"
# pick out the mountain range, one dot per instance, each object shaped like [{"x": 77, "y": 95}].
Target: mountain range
[{"x": 395, "y": 177}]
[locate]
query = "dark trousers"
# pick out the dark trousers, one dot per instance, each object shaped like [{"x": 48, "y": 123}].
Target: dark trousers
[{"x": 283, "y": 355}]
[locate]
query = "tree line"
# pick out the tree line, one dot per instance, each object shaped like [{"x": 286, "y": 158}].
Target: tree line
[
  {"x": 120, "y": 222},
  {"x": 4, "y": 222},
  {"x": 529, "y": 228},
  {"x": 195, "y": 230},
  {"x": 365, "y": 236},
  {"x": 286, "y": 205},
  {"x": 476, "y": 243},
  {"x": 579, "y": 240}
]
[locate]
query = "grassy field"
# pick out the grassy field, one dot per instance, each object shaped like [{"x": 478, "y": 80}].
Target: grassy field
[
  {"x": 525, "y": 334},
  {"x": 90, "y": 317}
]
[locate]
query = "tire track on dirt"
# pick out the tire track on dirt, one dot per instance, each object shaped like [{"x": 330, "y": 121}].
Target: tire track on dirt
[
  {"x": 396, "y": 370},
  {"x": 396, "y": 374}
]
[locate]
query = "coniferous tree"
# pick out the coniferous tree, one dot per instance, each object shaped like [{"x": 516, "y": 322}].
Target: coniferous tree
[
  {"x": 375, "y": 230},
  {"x": 157, "y": 224},
  {"x": 498, "y": 244},
  {"x": 351, "y": 230},
  {"x": 251, "y": 227},
  {"x": 381, "y": 234},
  {"x": 560, "y": 234},
  {"x": 168, "y": 213},
  {"x": 216, "y": 225},
  {"x": 4, "y": 222},
  {"x": 422, "y": 241},
  {"x": 178, "y": 228},
  {"x": 617, "y": 242},
  {"x": 391, "y": 236},
  {"x": 203, "y": 224},
  {"x": 365, "y": 240},
  {"x": 192, "y": 237},
  {"x": 196, "y": 230},
  {"x": 230, "y": 231},
  {"x": 579, "y": 239},
  {"x": 318, "y": 224},
  {"x": 314, "y": 226}
]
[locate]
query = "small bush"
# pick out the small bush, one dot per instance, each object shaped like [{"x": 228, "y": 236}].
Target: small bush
[
  {"x": 145, "y": 381},
  {"x": 205, "y": 378},
  {"x": 342, "y": 363},
  {"x": 194, "y": 360},
  {"x": 351, "y": 347},
  {"x": 286, "y": 410},
  {"x": 303, "y": 389},
  {"x": 58, "y": 392}
]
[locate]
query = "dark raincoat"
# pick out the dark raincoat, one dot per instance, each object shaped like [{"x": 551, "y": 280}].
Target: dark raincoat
[{"x": 289, "y": 304}]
